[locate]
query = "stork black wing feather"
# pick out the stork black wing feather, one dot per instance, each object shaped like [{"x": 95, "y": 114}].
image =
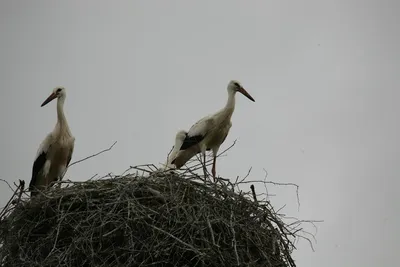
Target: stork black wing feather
[
  {"x": 191, "y": 141},
  {"x": 37, "y": 167},
  {"x": 69, "y": 160}
]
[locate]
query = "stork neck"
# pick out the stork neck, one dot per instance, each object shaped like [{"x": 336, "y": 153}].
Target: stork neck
[
  {"x": 61, "y": 119},
  {"x": 230, "y": 104}
]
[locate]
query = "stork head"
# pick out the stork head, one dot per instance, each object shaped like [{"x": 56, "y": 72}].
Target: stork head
[
  {"x": 235, "y": 86},
  {"x": 58, "y": 92}
]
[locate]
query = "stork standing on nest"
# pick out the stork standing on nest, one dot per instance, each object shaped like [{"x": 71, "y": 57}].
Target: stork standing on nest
[
  {"x": 211, "y": 131},
  {"x": 55, "y": 152}
]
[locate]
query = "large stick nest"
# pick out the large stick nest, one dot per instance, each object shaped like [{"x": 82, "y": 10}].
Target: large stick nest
[{"x": 159, "y": 219}]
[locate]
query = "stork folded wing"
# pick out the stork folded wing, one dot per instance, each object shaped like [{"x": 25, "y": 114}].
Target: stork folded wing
[
  {"x": 190, "y": 141},
  {"x": 36, "y": 169}
]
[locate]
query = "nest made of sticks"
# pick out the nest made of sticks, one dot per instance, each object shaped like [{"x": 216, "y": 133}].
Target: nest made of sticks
[{"x": 159, "y": 219}]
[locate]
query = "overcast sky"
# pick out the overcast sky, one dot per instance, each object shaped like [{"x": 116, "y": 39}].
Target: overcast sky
[{"x": 324, "y": 75}]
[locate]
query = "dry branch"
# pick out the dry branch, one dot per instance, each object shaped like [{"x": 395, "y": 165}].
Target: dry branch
[{"x": 94, "y": 155}]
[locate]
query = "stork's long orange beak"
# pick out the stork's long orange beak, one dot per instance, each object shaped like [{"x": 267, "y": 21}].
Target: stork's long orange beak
[
  {"x": 51, "y": 97},
  {"x": 246, "y": 94}
]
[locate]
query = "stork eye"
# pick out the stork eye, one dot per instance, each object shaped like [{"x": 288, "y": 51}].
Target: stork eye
[
  {"x": 58, "y": 90},
  {"x": 237, "y": 85}
]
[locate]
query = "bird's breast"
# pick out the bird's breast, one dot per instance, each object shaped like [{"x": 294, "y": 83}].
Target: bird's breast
[
  {"x": 61, "y": 150},
  {"x": 217, "y": 136}
]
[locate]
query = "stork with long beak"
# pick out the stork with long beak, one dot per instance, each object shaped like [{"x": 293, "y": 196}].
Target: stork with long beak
[
  {"x": 55, "y": 152},
  {"x": 211, "y": 131}
]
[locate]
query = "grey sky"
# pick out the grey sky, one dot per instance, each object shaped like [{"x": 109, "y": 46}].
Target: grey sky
[{"x": 323, "y": 73}]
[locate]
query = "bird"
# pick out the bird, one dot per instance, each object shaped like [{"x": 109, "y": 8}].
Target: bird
[
  {"x": 55, "y": 152},
  {"x": 211, "y": 131}
]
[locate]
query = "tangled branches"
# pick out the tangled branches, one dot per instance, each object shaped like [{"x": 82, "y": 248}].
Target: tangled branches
[{"x": 151, "y": 218}]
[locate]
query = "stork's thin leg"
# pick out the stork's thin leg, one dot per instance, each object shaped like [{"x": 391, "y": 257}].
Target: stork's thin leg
[
  {"x": 204, "y": 165},
  {"x": 213, "y": 167}
]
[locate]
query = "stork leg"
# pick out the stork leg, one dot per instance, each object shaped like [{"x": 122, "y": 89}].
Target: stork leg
[
  {"x": 215, "y": 153},
  {"x": 204, "y": 164},
  {"x": 213, "y": 167}
]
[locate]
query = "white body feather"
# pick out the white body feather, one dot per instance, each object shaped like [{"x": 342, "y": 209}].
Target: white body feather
[{"x": 58, "y": 150}]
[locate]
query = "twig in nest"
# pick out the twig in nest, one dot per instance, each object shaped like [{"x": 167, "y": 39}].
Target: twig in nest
[
  {"x": 286, "y": 184},
  {"x": 244, "y": 178},
  {"x": 78, "y": 161},
  {"x": 254, "y": 193},
  {"x": 177, "y": 239},
  {"x": 6, "y": 208},
  {"x": 169, "y": 153},
  {"x": 21, "y": 190},
  {"x": 7, "y": 184},
  {"x": 94, "y": 155},
  {"x": 234, "y": 238},
  {"x": 211, "y": 231}
]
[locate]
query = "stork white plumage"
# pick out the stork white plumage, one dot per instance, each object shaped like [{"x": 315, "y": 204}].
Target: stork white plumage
[
  {"x": 179, "y": 138},
  {"x": 211, "y": 131},
  {"x": 55, "y": 152}
]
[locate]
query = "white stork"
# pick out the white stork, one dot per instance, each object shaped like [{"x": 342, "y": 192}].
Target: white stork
[
  {"x": 55, "y": 152},
  {"x": 211, "y": 131}
]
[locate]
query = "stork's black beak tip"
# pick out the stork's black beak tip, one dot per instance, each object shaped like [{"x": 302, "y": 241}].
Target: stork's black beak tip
[{"x": 49, "y": 99}]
